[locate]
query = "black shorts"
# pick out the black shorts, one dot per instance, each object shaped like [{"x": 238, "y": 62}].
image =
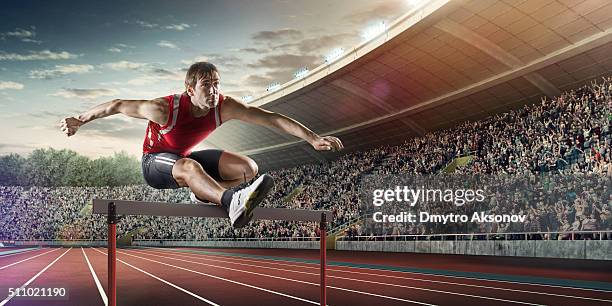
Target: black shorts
[{"x": 157, "y": 167}]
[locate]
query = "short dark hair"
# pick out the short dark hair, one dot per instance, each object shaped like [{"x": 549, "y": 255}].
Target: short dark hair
[{"x": 198, "y": 71}]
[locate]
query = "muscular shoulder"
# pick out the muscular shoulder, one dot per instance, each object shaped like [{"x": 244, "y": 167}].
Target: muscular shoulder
[
  {"x": 232, "y": 108},
  {"x": 156, "y": 110}
]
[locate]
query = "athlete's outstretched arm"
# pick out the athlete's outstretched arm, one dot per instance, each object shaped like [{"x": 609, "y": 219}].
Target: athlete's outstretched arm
[
  {"x": 155, "y": 110},
  {"x": 233, "y": 109}
]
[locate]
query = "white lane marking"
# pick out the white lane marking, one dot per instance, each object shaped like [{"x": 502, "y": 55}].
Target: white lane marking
[
  {"x": 22, "y": 252},
  {"x": 278, "y": 277},
  {"x": 229, "y": 280},
  {"x": 163, "y": 281},
  {"x": 8, "y": 298},
  {"x": 367, "y": 281},
  {"x": 93, "y": 273},
  {"x": 392, "y": 276},
  {"x": 419, "y": 273},
  {"x": 28, "y": 258}
]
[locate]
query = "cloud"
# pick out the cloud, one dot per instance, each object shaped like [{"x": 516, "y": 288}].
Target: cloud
[
  {"x": 146, "y": 24},
  {"x": 124, "y": 65},
  {"x": 174, "y": 27},
  {"x": 252, "y": 50},
  {"x": 167, "y": 44},
  {"x": 5, "y": 97},
  {"x": 157, "y": 75},
  {"x": 200, "y": 58},
  {"x": 37, "y": 55},
  {"x": 118, "y": 48},
  {"x": 111, "y": 83},
  {"x": 238, "y": 93},
  {"x": 8, "y": 148},
  {"x": 88, "y": 93},
  {"x": 10, "y": 85},
  {"x": 285, "y": 51},
  {"x": 258, "y": 80},
  {"x": 137, "y": 93},
  {"x": 46, "y": 114},
  {"x": 31, "y": 40},
  {"x": 317, "y": 45},
  {"x": 116, "y": 127},
  {"x": 280, "y": 53},
  {"x": 144, "y": 80},
  {"x": 278, "y": 68},
  {"x": 60, "y": 70},
  {"x": 22, "y": 34},
  {"x": 220, "y": 60},
  {"x": 164, "y": 73},
  {"x": 149, "y": 74},
  {"x": 120, "y": 127},
  {"x": 379, "y": 10},
  {"x": 278, "y": 35},
  {"x": 285, "y": 61},
  {"x": 178, "y": 27}
]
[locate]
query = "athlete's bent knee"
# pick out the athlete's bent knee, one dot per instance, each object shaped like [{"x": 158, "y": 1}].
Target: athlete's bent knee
[{"x": 251, "y": 169}]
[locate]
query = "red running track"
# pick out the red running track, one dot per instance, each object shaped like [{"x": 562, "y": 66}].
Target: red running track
[{"x": 154, "y": 276}]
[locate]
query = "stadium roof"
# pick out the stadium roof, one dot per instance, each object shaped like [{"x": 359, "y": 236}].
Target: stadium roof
[{"x": 441, "y": 64}]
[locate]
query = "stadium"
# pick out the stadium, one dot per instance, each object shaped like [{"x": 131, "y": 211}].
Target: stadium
[{"x": 476, "y": 170}]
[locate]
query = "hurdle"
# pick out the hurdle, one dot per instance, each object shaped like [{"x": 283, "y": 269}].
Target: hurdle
[{"x": 116, "y": 208}]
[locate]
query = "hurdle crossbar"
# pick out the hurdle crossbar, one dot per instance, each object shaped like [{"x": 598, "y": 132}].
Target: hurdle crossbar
[
  {"x": 100, "y": 206},
  {"x": 114, "y": 208}
]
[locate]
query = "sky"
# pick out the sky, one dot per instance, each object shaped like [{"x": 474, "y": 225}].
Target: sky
[{"x": 59, "y": 58}]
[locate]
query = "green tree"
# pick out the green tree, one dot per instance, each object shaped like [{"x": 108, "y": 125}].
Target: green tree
[
  {"x": 46, "y": 167},
  {"x": 127, "y": 170},
  {"x": 51, "y": 167},
  {"x": 11, "y": 170},
  {"x": 78, "y": 171}
]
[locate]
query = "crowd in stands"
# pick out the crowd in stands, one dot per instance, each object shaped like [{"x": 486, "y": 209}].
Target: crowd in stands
[{"x": 567, "y": 136}]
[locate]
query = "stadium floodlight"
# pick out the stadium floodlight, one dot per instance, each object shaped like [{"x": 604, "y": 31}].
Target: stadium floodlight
[
  {"x": 247, "y": 98},
  {"x": 302, "y": 72},
  {"x": 374, "y": 30},
  {"x": 334, "y": 55},
  {"x": 273, "y": 87}
]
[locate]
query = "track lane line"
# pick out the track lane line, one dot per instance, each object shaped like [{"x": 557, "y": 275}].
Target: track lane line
[
  {"x": 228, "y": 280},
  {"x": 164, "y": 281},
  {"x": 384, "y": 275},
  {"x": 4, "y": 255},
  {"x": 10, "y": 296},
  {"x": 395, "y": 271},
  {"x": 367, "y": 281},
  {"x": 277, "y": 277},
  {"x": 55, "y": 249},
  {"x": 95, "y": 277}
]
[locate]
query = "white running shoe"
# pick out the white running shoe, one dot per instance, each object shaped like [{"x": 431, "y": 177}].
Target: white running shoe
[{"x": 246, "y": 199}]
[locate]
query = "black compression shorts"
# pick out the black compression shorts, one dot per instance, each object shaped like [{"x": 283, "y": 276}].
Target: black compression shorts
[{"x": 157, "y": 167}]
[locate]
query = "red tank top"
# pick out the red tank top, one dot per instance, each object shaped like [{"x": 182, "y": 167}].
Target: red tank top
[{"x": 182, "y": 132}]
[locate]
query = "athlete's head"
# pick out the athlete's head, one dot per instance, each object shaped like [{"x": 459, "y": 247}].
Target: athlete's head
[{"x": 202, "y": 84}]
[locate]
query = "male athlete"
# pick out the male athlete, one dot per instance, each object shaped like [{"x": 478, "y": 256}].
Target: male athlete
[{"x": 179, "y": 122}]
